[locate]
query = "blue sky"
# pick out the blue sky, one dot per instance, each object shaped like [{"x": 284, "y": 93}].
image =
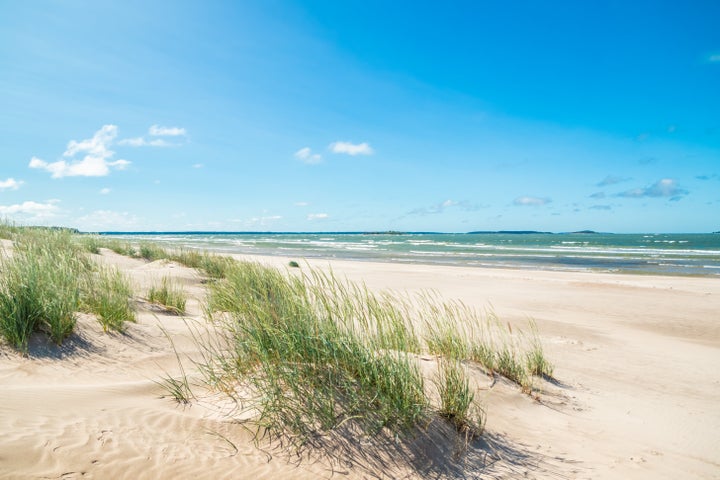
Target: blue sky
[{"x": 361, "y": 115}]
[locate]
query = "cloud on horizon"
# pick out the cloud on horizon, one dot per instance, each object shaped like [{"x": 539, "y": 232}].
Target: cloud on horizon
[
  {"x": 96, "y": 162},
  {"x": 442, "y": 207},
  {"x": 317, "y": 216},
  {"x": 351, "y": 148},
  {"x": 531, "y": 201},
  {"x": 259, "y": 221},
  {"x": 664, "y": 188},
  {"x": 29, "y": 210},
  {"x": 99, "y": 220}
]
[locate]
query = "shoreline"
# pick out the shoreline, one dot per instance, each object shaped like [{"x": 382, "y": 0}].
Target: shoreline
[{"x": 677, "y": 255}]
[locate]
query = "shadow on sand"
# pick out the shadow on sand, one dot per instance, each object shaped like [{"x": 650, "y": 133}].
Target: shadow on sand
[{"x": 436, "y": 451}]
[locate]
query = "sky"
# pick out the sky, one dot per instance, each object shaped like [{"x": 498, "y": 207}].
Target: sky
[{"x": 361, "y": 115}]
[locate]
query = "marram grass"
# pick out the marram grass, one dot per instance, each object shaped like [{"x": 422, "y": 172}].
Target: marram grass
[
  {"x": 108, "y": 294},
  {"x": 310, "y": 353},
  {"x": 39, "y": 287},
  {"x": 47, "y": 280},
  {"x": 169, "y": 295}
]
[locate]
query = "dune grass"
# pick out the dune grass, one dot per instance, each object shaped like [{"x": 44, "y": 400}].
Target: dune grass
[
  {"x": 294, "y": 343},
  {"x": 457, "y": 399},
  {"x": 308, "y": 353},
  {"x": 169, "y": 295},
  {"x": 39, "y": 287},
  {"x": 107, "y": 293},
  {"x": 214, "y": 266},
  {"x": 151, "y": 251},
  {"x": 47, "y": 280}
]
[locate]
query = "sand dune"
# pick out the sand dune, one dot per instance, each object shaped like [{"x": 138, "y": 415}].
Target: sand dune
[{"x": 637, "y": 392}]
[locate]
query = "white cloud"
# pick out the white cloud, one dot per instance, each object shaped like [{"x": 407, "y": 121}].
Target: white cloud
[
  {"x": 531, "y": 201},
  {"x": 317, "y": 216},
  {"x": 611, "y": 180},
  {"x": 255, "y": 222},
  {"x": 351, "y": 148},
  {"x": 104, "y": 191},
  {"x": 301, "y": 204},
  {"x": 198, "y": 165},
  {"x": 158, "y": 131},
  {"x": 442, "y": 206},
  {"x": 100, "y": 220},
  {"x": 155, "y": 131},
  {"x": 306, "y": 155},
  {"x": 10, "y": 184},
  {"x": 31, "y": 210},
  {"x": 664, "y": 188},
  {"x": 141, "y": 142},
  {"x": 96, "y": 161}
]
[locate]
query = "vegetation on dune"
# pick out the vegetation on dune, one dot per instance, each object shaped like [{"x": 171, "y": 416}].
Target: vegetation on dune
[
  {"x": 47, "y": 280},
  {"x": 310, "y": 353},
  {"x": 169, "y": 295},
  {"x": 151, "y": 251},
  {"x": 214, "y": 266},
  {"x": 39, "y": 287},
  {"x": 107, "y": 293}
]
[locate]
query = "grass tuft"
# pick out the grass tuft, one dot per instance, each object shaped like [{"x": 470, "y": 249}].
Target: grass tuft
[
  {"x": 39, "y": 286},
  {"x": 151, "y": 251},
  {"x": 214, "y": 266},
  {"x": 457, "y": 400},
  {"x": 169, "y": 295},
  {"x": 107, "y": 294},
  {"x": 311, "y": 353}
]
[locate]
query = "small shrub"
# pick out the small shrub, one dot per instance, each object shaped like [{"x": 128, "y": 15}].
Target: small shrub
[{"x": 293, "y": 264}]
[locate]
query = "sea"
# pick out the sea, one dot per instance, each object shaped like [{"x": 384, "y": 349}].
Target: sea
[{"x": 664, "y": 254}]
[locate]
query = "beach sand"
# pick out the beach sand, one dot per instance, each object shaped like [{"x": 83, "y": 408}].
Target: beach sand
[{"x": 637, "y": 390}]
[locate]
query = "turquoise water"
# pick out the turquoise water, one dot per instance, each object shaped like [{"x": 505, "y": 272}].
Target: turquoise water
[{"x": 669, "y": 254}]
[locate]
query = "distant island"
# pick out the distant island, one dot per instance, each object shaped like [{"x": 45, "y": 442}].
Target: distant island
[
  {"x": 510, "y": 232},
  {"x": 528, "y": 232}
]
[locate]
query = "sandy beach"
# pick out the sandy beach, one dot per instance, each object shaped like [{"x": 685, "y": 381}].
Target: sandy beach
[{"x": 636, "y": 392}]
